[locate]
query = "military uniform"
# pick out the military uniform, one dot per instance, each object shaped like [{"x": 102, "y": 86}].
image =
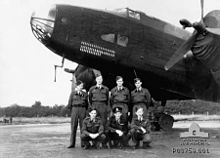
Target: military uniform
[
  {"x": 98, "y": 98},
  {"x": 78, "y": 103},
  {"x": 137, "y": 134},
  {"x": 120, "y": 97},
  {"x": 113, "y": 125},
  {"x": 140, "y": 98},
  {"x": 92, "y": 126}
]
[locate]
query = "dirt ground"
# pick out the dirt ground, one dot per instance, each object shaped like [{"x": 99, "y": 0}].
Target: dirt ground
[{"x": 51, "y": 141}]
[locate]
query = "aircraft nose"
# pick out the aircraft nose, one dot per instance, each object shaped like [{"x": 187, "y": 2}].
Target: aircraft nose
[{"x": 42, "y": 24}]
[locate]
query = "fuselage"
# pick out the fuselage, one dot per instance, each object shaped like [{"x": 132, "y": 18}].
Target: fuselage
[{"x": 127, "y": 43}]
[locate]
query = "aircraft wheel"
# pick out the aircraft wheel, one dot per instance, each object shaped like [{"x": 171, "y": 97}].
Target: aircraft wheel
[{"x": 166, "y": 122}]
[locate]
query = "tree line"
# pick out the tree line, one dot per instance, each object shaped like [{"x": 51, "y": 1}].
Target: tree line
[
  {"x": 172, "y": 107},
  {"x": 36, "y": 110}
]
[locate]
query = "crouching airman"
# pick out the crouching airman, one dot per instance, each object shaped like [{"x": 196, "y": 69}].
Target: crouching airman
[
  {"x": 92, "y": 130},
  {"x": 117, "y": 129},
  {"x": 140, "y": 130}
]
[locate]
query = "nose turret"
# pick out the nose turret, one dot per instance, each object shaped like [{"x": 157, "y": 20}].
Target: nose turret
[{"x": 42, "y": 24}]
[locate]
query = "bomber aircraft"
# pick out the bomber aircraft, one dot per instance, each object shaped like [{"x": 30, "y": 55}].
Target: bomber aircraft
[{"x": 172, "y": 62}]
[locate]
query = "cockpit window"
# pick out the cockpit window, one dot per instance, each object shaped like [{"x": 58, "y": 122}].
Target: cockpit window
[
  {"x": 134, "y": 14},
  {"x": 109, "y": 37},
  {"x": 122, "y": 11},
  {"x": 122, "y": 40},
  {"x": 126, "y": 12}
]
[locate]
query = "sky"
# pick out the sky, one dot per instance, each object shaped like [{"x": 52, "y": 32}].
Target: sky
[{"x": 27, "y": 66}]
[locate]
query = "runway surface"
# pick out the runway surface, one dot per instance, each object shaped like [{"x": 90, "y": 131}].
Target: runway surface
[{"x": 51, "y": 141}]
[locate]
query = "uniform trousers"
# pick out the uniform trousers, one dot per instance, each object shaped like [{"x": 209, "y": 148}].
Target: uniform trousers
[
  {"x": 77, "y": 115},
  {"x": 137, "y": 135},
  {"x": 113, "y": 136},
  {"x": 102, "y": 109},
  {"x": 86, "y": 138}
]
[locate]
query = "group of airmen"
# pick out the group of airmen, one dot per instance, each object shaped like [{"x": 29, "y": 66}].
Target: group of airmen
[{"x": 103, "y": 115}]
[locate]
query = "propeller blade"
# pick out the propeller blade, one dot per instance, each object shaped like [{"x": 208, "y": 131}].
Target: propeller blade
[
  {"x": 179, "y": 54},
  {"x": 214, "y": 30},
  {"x": 174, "y": 59}
]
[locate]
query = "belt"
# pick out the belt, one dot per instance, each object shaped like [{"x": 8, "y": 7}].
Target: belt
[
  {"x": 120, "y": 103},
  {"x": 94, "y": 102},
  {"x": 79, "y": 105},
  {"x": 139, "y": 103}
]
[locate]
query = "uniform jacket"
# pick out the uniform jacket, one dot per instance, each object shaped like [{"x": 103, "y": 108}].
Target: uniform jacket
[
  {"x": 113, "y": 125},
  {"x": 137, "y": 124},
  {"x": 90, "y": 126},
  {"x": 76, "y": 98},
  {"x": 142, "y": 96},
  {"x": 120, "y": 96},
  {"x": 98, "y": 95}
]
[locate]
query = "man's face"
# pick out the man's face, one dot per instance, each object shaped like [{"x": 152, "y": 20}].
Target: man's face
[
  {"x": 140, "y": 112},
  {"x": 92, "y": 114},
  {"x": 138, "y": 84},
  {"x": 117, "y": 115},
  {"x": 119, "y": 82},
  {"x": 99, "y": 80}
]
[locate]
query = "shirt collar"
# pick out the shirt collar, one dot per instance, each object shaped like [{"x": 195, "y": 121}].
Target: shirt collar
[
  {"x": 92, "y": 120},
  {"x": 140, "y": 118},
  {"x": 120, "y": 88},
  {"x": 99, "y": 86},
  {"x": 139, "y": 89},
  {"x": 78, "y": 92}
]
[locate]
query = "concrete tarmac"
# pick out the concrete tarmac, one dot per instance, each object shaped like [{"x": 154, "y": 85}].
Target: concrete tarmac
[{"x": 51, "y": 141}]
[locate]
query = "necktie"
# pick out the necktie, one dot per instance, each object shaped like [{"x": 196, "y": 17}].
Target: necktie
[
  {"x": 118, "y": 121},
  {"x": 93, "y": 120}
]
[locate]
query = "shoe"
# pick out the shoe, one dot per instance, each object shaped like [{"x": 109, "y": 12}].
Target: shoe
[
  {"x": 146, "y": 145},
  {"x": 112, "y": 145},
  {"x": 71, "y": 146},
  {"x": 105, "y": 146},
  {"x": 120, "y": 147},
  {"x": 133, "y": 147},
  {"x": 97, "y": 146},
  {"x": 85, "y": 147}
]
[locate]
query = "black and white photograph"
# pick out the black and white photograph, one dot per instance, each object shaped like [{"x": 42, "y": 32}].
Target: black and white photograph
[{"x": 110, "y": 79}]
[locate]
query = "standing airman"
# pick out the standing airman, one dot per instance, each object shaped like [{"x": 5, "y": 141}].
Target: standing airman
[
  {"x": 78, "y": 103},
  {"x": 99, "y": 98},
  {"x": 140, "y": 97},
  {"x": 120, "y": 97}
]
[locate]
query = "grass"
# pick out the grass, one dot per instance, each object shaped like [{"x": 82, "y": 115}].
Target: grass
[{"x": 57, "y": 120}]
